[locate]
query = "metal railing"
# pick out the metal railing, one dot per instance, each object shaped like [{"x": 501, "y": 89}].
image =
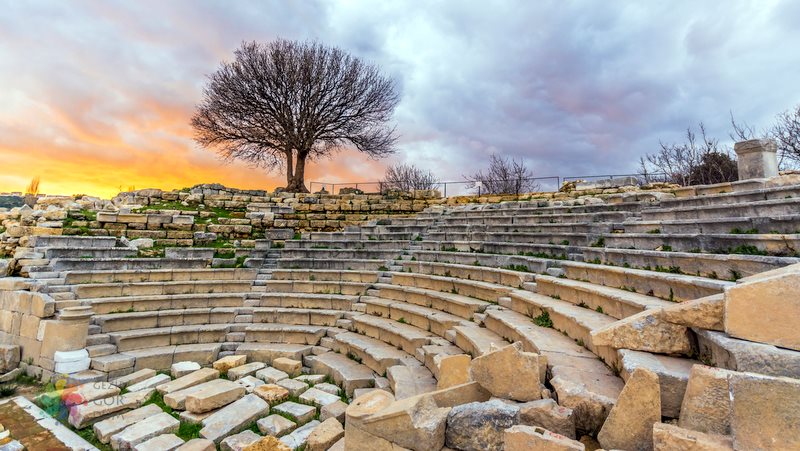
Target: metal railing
[{"x": 471, "y": 187}]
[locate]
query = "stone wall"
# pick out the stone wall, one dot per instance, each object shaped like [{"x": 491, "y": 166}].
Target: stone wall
[{"x": 21, "y": 314}]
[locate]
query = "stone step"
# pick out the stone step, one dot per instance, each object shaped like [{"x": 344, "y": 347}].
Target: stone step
[
  {"x": 673, "y": 375},
  {"x": 498, "y": 276},
  {"x": 477, "y": 341},
  {"x": 89, "y": 252},
  {"x": 721, "y": 350},
  {"x": 454, "y": 304},
  {"x": 424, "y": 318},
  {"x": 407, "y": 381},
  {"x": 111, "y": 264},
  {"x": 346, "y": 372},
  {"x": 284, "y": 333},
  {"x": 332, "y": 263},
  {"x": 373, "y": 353},
  {"x": 484, "y": 291},
  {"x": 163, "y": 302},
  {"x": 613, "y": 302},
  {"x": 325, "y": 275},
  {"x": 307, "y": 300},
  {"x": 750, "y": 209},
  {"x": 113, "y": 290},
  {"x": 158, "y": 275},
  {"x": 404, "y": 336},
  {"x": 321, "y": 287}
]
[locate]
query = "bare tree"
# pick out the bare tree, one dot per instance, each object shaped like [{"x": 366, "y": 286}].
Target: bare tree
[
  {"x": 280, "y": 104},
  {"x": 504, "y": 176},
  {"x": 786, "y": 131},
  {"x": 33, "y": 187},
  {"x": 408, "y": 178},
  {"x": 691, "y": 162}
]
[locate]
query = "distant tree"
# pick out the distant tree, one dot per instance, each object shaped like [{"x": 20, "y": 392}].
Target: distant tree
[
  {"x": 786, "y": 131},
  {"x": 504, "y": 176},
  {"x": 408, "y": 178},
  {"x": 280, "y": 104},
  {"x": 33, "y": 187},
  {"x": 692, "y": 162}
]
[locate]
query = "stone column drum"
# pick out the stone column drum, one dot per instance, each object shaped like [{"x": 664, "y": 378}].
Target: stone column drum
[{"x": 757, "y": 158}]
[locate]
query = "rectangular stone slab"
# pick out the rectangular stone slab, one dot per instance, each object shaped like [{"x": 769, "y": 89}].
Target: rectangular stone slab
[
  {"x": 189, "y": 380},
  {"x": 213, "y": 395},
  {"x": 233, "y": 418},
  {"x": 161, "y": 423}
]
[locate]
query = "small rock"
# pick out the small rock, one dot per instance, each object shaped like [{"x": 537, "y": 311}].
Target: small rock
[{"x": 268, "y": 443}]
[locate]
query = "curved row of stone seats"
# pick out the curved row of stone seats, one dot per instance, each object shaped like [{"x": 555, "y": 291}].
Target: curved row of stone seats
[
  {"x": 772, "y": 207},
  {"x": 89, "y": 252},
  {"x": 477, "y": 259},
  {"x": 47, "y": 241},
  {"x": 394, "y": 245},
  {"x": 772, "y": 244},
  {"x": 491, "y": 273},
  {"x": 331, "y": 264},
  {"x": 728, "y": 266},
  {"x": 675, "y": 287},
  {"x": 532, "y": 219},
  {"x": 314, "y": 286},
  {"x": 614, "y": 302},
  {"x": 158, "y": 275},
  {"x": 303, "y": 300},
  {"x": 354, "y": 254},
  {"x": 484, "y": 291},
  {"x": 124, "y": 264},
  {"x": 403, "y": 336},
  {"x": 526, "y": 208},
  {"x": 546, "y": 227},
  {"x": 163, "y": 302},
  {"x": 326, "y": 275},
  {"x": 121, "y": 289},
  {"x": 358, "y": 235},
  {"x": 454, "y": 304},
  {"x": 767, "y": 192},
  {"x": 423, "y": 318},
  {"x": 782, "y": 224}
]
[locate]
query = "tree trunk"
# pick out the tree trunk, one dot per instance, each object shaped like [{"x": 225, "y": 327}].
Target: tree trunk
[{"x": 296, "y": 183}]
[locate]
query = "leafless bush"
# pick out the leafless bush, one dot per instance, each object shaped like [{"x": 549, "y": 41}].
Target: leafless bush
[
  {"x": 33, "y": 187},
  {"x": 504, "y": 176},
  {"x": 408, "y": 178}
]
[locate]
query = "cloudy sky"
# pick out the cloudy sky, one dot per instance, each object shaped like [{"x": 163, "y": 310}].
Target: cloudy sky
[{"x": 97, "y": 96}]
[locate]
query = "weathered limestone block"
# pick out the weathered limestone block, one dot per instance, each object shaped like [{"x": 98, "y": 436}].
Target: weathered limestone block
[
  {"x": 479, "y": 425},
  {"x": 163, "y": 442},
  {"x": 271, "y": 375},
  {"x": 325, "y": 435},
  {"x": 289, "y": 366},
  {"x": 276, "y": 425},
  {"x": 527, "y": 438},
  {"x": 189, "y": 380},
  {"x": 765, "y": 310},
  {"x": 152, "y": 382},
  {"x": 317, "y": 397},
  {"x": 453, "y": 370},
  {"x": 103, "y": 430},
  {"x": 300, "y": 412},
  {"x": 299, "y": 437},
  {"x": 416, "y": 423},
  {"x": 334, "y": 410},
  {"x": 508, "y": 373},
  {"x": 673, "y": 375},
  {"x": 645, "y": 331},
  {"x": 249, "y": 383},
  {"x": 271, "y": 393},
  {"x": 198, "y": 444},
  {"x": 147, "y": 428},
  {"x": 9, "y": 356},
  {"x": 233, "y": 418},
  {"x": 629, "y": 425},
  {"x": 295, "y": 387},
  {"x": 589, "y": 407},
  {"x": 240, "y": 441},
  {"x": 756, "y": 158},
  {"x": 668, "y": 437},
  {"x": 180, "y": 369},
  {"x": 766, "y": 411},
  {"x": 134, "y": 378},
  {"x": 214, "y": 394},
  {"x": 356, "y": 438},
  {"x": 704, "y": 313},
  {"x": 244, "y": 370},
  {"x": 84, "y": 414},
  {"x": 268, "y": 443},
  {"x": 706, "y": 405},
  {"x": 548, "y": 414},
  {"x": 226, "y": 363}
]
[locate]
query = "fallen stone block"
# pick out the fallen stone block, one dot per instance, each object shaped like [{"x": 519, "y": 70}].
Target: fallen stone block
[
  {"x": 317, "y": 397},
  {"x": 706, "y": 404},
  {"x": 527, "y": 438},
  {"x": 181, "y": 369},
  {"x": 590, "y": 395},
  {"x": 9, "y": 355},
  {"x": 188, "y": 380},
  {"x": 152, "y": 382},
  {"x": 275, "y": 425},
  {"x": 271, "y": 393},
  {"x": 143, "y": 430},
  {"x": 334, "y": 410},
  {"x": 299, "y": 437},
  {"x": 244, "y": 370},
  {"x": 668, "y": 437},
  {"x": 453, "y": 370},
  {"x": 198, "y": 444},
  {"x": 325, "y": 435},
  {"x": 630, "y": 423},
  {"x": 289, "y": 366},
  {"x": 480, "y": 425},
  {"x": 240, "y": 441},
  {"x": 765, "y": 310},
  {"x": 271, "y": 375},
  {"x": 673, "y": 375},
  {"x": 133, "y": 378},
  {"x": 766, "y": 411},
  {"x": 300, "y": 412},
  {"x": 508, "y": 373},
  {"x": 103, "y": 430},
  {"x": 163, "y": 442},
  {"x": 416, "y": 423},
  {"x": 295, "y": 387},
  {"x": 645, "y": 331},
  {"x": 546, "y": 413},
  {"x": 704, "y": 313},
  {"x": 213, "y": 395},
  {"x": 249, "y": 383},
  {"x": 226, "y": 363},
  {"x": 329, "y": 388},
  {"x": 83, "y": 415},
  {"x": 233, "y": 418},
  {"x": 268, "y": 443}
]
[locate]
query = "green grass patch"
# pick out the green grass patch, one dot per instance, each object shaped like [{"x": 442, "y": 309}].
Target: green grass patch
[{"x": 543, "y": 320}]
